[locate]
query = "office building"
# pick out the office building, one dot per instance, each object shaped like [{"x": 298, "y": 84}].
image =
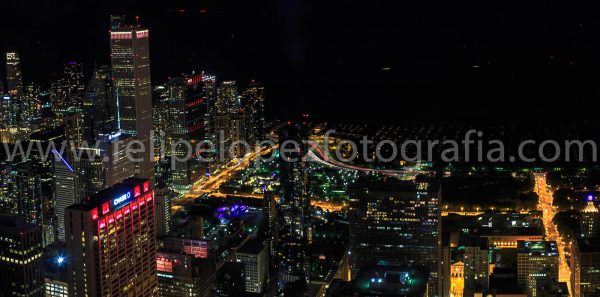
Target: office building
[
  {"x": 254, "y": 256},
  {"x": 117, "y": 164},
  {"x": 20, "y": 257},
  {"x": 537, "y": 262},
  {"x": 67, "y": 90},
  {"x": 99, "y": 105},
  {"x": 270, "y": 230},
  {"x": 186, "y": 267},
  {"x": 396, "y": 221},
  {"x": 14, "y": 84},
  {"x": 590, "y": 219},
  {"x": 65, "y": 193},
  {"x": 185, "y": 107},
  {"x": 163, "y": 197},
  {"x": 474, "y": 252},
  {"x": 253, "y": 100},
  {"x": 111, "y": 242},
  {"x": 55, "y": 272},
  {"x": 293, "y": 214},
  {"x": 585, "y": 266},
  {"x": 130, "y": 60}
]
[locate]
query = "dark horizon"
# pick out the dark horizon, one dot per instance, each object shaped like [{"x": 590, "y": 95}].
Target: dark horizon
[{"x": 345, "y": 61}]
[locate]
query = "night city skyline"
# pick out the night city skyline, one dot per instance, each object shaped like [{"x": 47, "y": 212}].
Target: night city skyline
[
  {"x": 452, "y": 59},
  {"x": 299, "y": 148}
]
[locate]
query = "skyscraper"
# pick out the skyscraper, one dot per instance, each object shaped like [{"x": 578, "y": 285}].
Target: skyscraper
[
  {"x": 590, "y": 219},
  {"x": 186, "y": 267},
  {"x": 254, "y": 256},
  {"x": 130, "y": 57},
  {"x": 293, "y": 213},
  {"x": 537, "y": 262},
  {"x": 20, "y": 257},
  {"x": 111, "y": 242},
  {"x": 65, "y": 193},
  {"x": 14, "y": 84},
  {"x": 185, "y": 109},
  {"x": 99, "y": 105},
  {"x": 398, "y": 222},
  {"x": 14, "y": 80},
  {"x": 585, "y": 266},
  {"x": 253, "y": 100},
  {"x": 270, "y": 230},
  {"x": 67, "y": 91}
]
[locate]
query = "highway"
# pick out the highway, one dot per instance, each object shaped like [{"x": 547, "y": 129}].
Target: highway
[
  {"x": 316, "y": 154},
  {"x": 211, "y": 185},
  {"x": 545, "y": 206}
]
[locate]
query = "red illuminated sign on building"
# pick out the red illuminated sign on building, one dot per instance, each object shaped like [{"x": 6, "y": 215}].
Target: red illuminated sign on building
[
  {"x": 196, "y": 247},
  {"x": 94, "y": 213},
  {"x": 105, "y": 208},
  {"x": 164, "y": 265}
]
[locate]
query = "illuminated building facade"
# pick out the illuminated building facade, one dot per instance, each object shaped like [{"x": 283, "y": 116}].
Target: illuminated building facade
[
  {"x": 185, "y": 107},
  {"x": 113, "y": 151},
  {"x": 99, "y": 105},
  {"x": 585, "y": 266},
  {"x": 293, "y": 214},
  {"x": 20, "y": 257},
  {"x": 67, "y": 91},
  {"x": 270, "y": 230},
  {"x": 590, "y": 219},
  {"x": 111, "y": 242},
  {"x": 398, "y": 222},
  {"x": 65, "y": 190},
  {"x": 163, "y": 196},
  {"x": 130, "y": 58},
  {"x": 14, "y": 83},
  {"x": 254, "y": 257},
  {"x": 55, "y": 288},
  {"x": 475, "y": 255},
  {"x": 537, "y": 262},
  {"x": 253, "y": 100},
  {"x": 457, "y": 279},
  {"x": 228, "y": 99},
  {"x": 186, "y": 267}
]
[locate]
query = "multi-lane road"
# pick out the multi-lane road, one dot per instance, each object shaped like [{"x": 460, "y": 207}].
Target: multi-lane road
[
  {"x": 211, "y": 184},
  {"x": 545, "y": 206}
]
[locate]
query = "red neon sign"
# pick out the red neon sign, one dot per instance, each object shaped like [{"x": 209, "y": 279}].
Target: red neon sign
[
  {"x": 146, "y": 186},
  {"x": 94, "y": 213},
  {"x": 136, "y": 191},
  {"x": 105, "y": 208},
  {"x": 102, "y": 224}
]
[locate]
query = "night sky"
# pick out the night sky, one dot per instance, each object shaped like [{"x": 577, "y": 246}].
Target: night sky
[{"x": 366, "y": 61}]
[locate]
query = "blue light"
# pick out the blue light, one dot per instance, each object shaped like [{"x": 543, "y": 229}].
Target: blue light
[
  {"x": 123, "y": 198},
  {"x": 63, "y": 160},
  {"x": 590, "y": 198},
  {"x": 60, "y": 260}
]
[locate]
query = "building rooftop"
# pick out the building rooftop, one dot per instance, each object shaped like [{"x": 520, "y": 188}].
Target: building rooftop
[
  {"x": 391, "y": 279},
  {"x": 110, "y": 194},
  {"x": 538, "y": 248},
  {"x": 13, "y": 226},
  {"x": 252, "y": 246}
]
